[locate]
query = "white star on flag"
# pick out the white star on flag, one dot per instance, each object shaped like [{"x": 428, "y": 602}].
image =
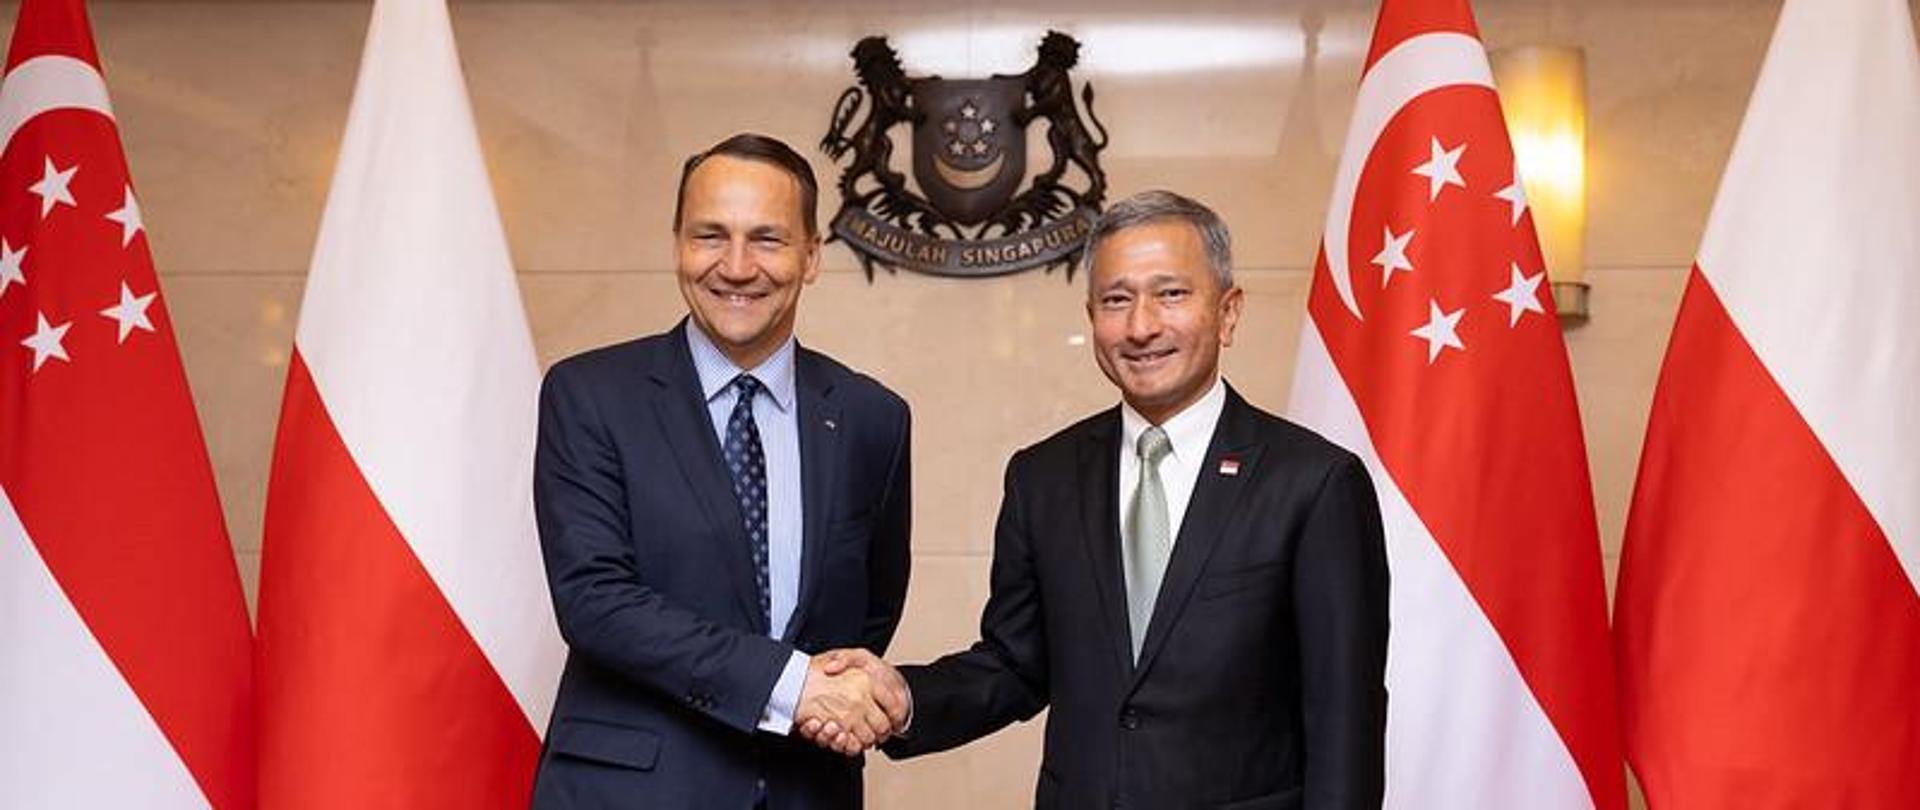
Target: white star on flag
[
  {"x": 1522, "y": 295},
  {"x": 1439, "y": 330},
  {"x": 1442, "y": 169},
  {"x": 52, "y": 187},
  {"x": 1393, "y": 255},
  {"x": 131, "y": 312},
  {"x": 45, "y": 341},
  {"x": 11, "y": 271},
  {"x": 1516, "y": 196},
  {"x": 128, "y": 215},
  {"x": 1463, "y": 622},
  {"x": 118, "y": 579}
]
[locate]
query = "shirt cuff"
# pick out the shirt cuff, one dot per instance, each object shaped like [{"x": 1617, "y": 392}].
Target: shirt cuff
[{"x": 778, "y": 716}]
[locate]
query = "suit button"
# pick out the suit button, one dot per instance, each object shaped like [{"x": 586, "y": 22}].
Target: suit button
[{"x": 1129, "y": 720}]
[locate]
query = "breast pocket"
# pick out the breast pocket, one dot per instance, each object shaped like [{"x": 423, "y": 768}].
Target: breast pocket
[{"x": 1263, "y": 579}]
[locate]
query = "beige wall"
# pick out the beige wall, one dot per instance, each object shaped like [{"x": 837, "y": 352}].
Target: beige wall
[{"x": 232, "y": 113}]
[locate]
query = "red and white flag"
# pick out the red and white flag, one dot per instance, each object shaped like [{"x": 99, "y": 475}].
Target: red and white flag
[
  {"x": 125, "y": 669},
  {"x": 1433, "y": 351},
  {"x": 1769, "y": 622},
  {"x": 408, "y": 652}
]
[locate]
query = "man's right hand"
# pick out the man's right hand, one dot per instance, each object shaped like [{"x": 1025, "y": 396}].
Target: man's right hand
[{"x": 852, "y": 701}]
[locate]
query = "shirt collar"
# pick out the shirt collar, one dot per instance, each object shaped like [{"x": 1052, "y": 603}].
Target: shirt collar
[
  {"x": 1189, "y": 431},
  {"x": 716, "y": 372}
]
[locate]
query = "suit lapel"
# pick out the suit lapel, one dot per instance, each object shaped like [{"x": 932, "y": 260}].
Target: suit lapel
[
  {"x": 682, "y": 411},
  {"x": 1099, "y": 464},
  {"x": 1210, "y": 513},
  {"x": 821, "y": 454}
]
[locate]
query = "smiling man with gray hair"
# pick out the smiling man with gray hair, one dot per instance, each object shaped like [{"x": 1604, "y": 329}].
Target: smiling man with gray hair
[{"x": 1197, "y": 588}]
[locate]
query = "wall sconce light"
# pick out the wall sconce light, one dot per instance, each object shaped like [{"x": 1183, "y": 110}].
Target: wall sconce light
[{"x": 1543, "y": 91}]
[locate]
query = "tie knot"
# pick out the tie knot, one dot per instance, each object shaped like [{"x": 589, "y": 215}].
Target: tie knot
[
  {"x": 747, "y": 385},
  {"x": 1154, "y": 445}
]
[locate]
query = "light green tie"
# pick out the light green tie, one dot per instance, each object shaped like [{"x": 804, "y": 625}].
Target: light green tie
[{"x": 1147, "y": 536}]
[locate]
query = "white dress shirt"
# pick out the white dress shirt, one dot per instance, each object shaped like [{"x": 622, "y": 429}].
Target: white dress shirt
[{"x": 1190, "y": 431}]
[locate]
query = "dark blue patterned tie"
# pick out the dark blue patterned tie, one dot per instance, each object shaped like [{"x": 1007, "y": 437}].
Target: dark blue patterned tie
[{"x": 748, "y": 466}]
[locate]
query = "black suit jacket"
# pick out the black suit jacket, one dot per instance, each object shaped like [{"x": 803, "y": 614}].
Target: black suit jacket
[
  {"x": 1261, "y": 681},
  {"x": 669, "y": 664}
]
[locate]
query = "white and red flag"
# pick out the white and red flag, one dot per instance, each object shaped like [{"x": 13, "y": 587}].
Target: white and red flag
[
  {"x": 125, "y": 656},
  {"x": 1768, "y": 617},
  {"x": 408, "y": 652},
  {"x": 1433, "y": 351}
]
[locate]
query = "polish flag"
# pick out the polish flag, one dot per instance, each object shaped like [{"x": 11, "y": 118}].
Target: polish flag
[
  {"x": 1769, "y": 622},
  {"x": 125, "y": 671},
  {"x": 1432, "y": 350},
  {"x": 408, "y": 652}
]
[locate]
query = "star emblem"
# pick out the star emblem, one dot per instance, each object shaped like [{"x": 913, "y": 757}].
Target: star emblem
[
  {"x": 1516, "y": 196},
  {"x": 1521, "y": 296},
  {"x": 987, "y": 126},
  {"x": 1440, "y": 331},
  {"x": 46, "y": 341},
  {"x": 956, "y": 147},
  {"x": 1442, "y": 169},
  {"x": 131, "y": 312},
  {"x": 128, "y": 215},
  {"x": 52, "y": 187},
  {"x": 979, "y": 147},
  {"x": 1393, "y": 255},
  {"x": 11, "y": 271},
  {"x": 968, "y": 111}
]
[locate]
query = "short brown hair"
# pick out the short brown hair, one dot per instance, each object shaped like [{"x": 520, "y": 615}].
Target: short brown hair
[{"x": 764, "y": 149}]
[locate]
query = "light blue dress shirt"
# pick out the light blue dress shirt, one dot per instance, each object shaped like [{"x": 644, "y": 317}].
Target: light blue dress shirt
[{"x": 775, "y": 416}]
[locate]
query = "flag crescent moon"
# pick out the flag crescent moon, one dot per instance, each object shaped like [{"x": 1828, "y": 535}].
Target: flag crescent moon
[
  {"x": 1413, "y": 68},
  {"x": 47, "y": 83}
]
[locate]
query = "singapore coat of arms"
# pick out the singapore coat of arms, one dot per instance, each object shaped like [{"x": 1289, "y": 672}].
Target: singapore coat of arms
[{"x": 966, "y": 213}]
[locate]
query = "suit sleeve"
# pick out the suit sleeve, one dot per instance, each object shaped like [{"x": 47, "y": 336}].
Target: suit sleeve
[
  {"x": 1002, "y": 677},
  {"x": 1340, "y": 604},
  {"x": 604, "y": 612},
  {"x": 889, "y": 557}
]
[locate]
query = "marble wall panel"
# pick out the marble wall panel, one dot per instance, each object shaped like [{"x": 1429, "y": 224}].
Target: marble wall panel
[
  {"x": 1616, "y": 360},
  {"x": 232, "y": 115},
  {"x": 236, "y": 335}
]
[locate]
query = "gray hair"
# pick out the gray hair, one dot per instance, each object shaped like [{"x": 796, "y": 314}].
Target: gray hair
[{"x": 1158, "y": 206}]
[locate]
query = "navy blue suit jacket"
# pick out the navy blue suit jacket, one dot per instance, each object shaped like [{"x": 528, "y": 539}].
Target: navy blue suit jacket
[{"x": 669, "y": 664}]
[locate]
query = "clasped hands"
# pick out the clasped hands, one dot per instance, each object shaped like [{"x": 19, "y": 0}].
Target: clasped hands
[{"x": 852, "y": 701}]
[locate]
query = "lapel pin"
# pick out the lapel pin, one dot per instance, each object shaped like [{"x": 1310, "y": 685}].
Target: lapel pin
[
  {"x": 831, "y": 425},
  {"x": 1230, "y": 466}
]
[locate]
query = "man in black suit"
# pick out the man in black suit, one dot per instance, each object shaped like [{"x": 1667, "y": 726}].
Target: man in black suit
[
  {"x": 1197, "y": 588},
  {"x": 715, "y": 503}
]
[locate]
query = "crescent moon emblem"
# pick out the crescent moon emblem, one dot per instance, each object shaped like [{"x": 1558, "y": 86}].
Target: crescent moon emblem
[{"x": 969, "y": 180}]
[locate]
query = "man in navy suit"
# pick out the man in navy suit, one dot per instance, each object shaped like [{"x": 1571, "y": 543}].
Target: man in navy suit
[{"x": 715, "y": 504}]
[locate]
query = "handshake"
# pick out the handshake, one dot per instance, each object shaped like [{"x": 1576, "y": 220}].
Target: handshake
[{"x": 852, "y": 702}]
